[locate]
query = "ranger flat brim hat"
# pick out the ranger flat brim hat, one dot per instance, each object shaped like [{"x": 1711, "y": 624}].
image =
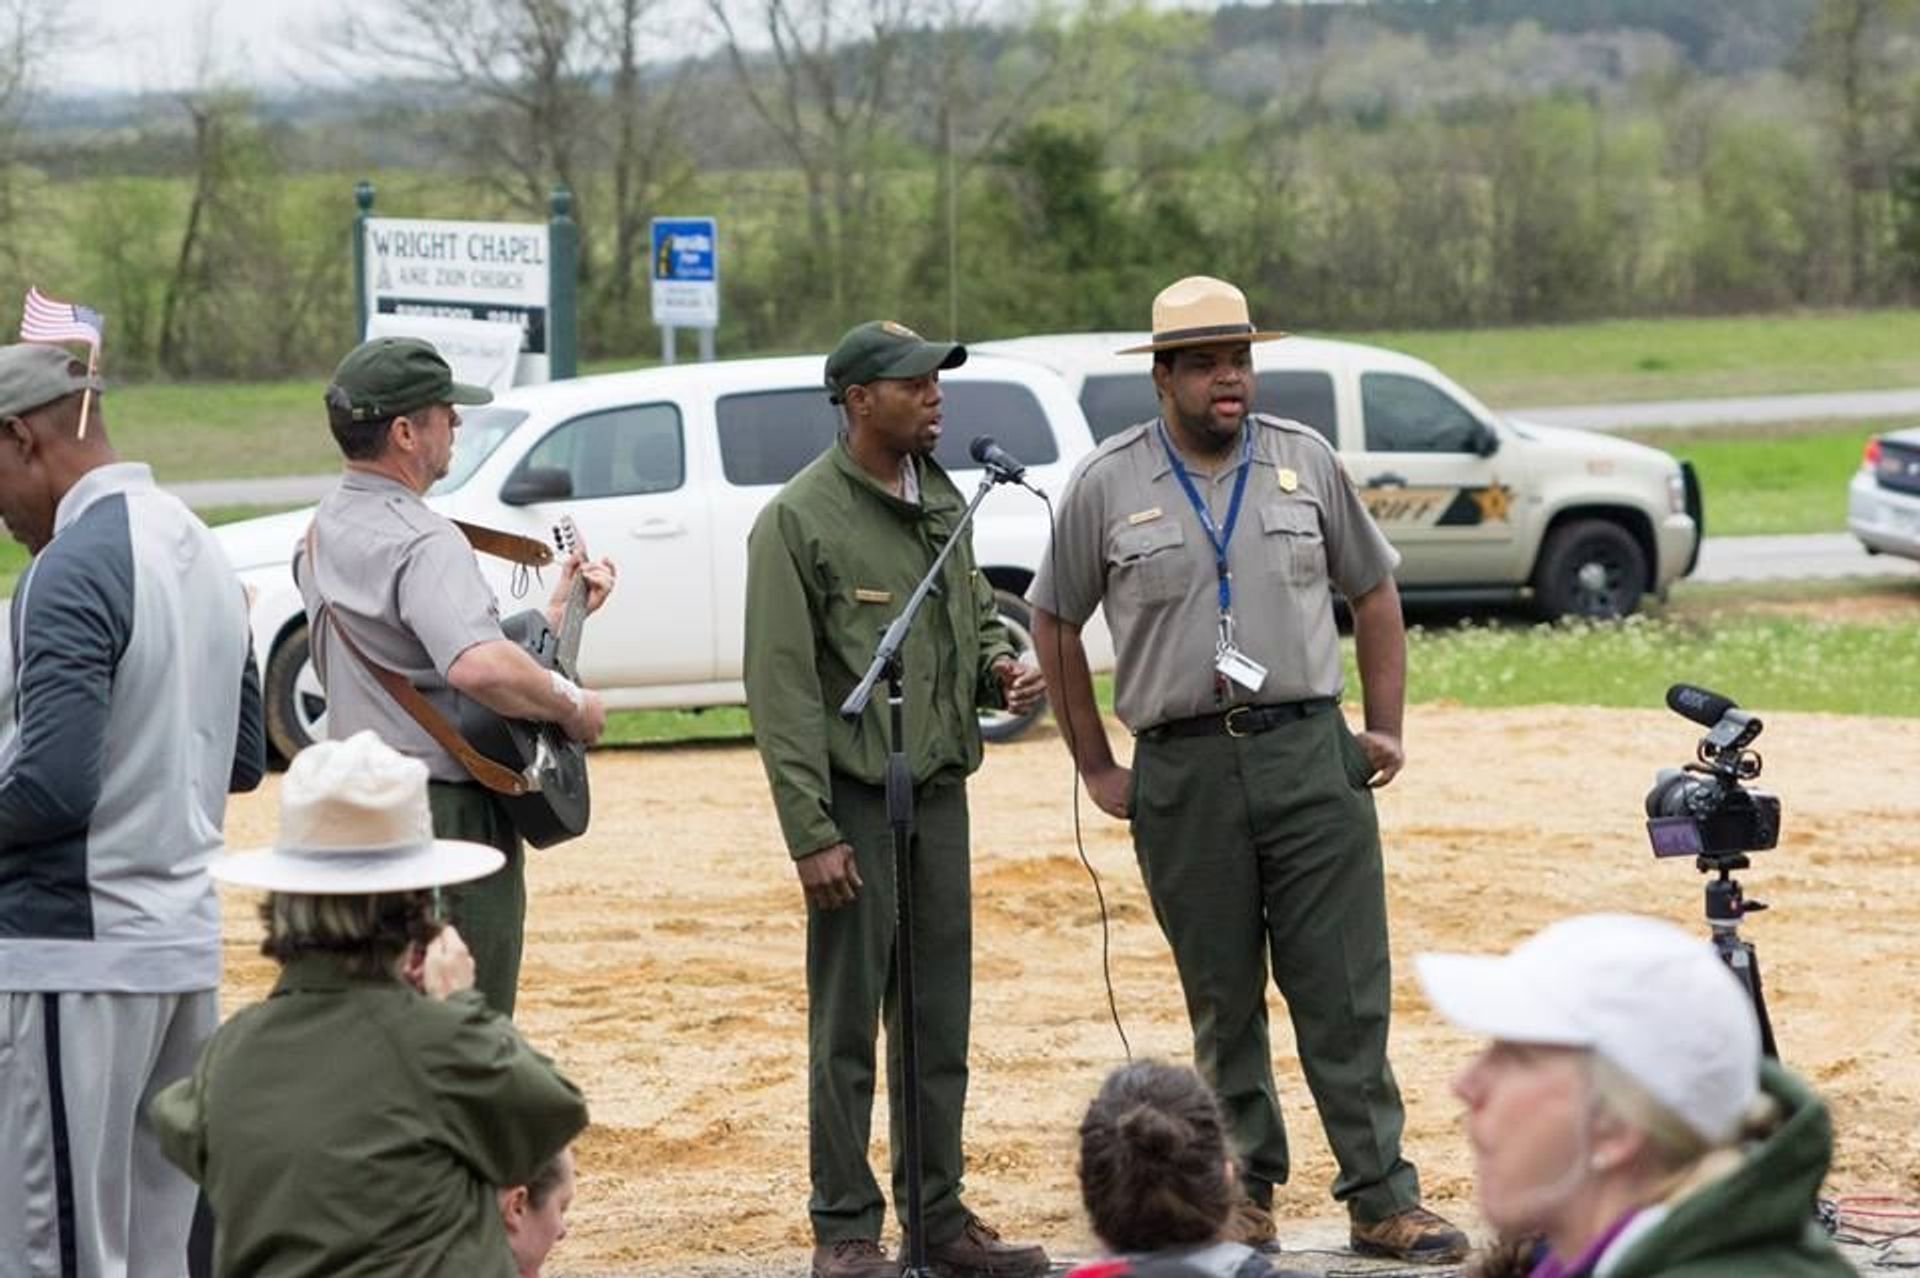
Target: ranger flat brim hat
[
  {"x": 1201, "y": 311},
  {"x": 354, "y": 820},
  {"x": 880, "y": 350}
]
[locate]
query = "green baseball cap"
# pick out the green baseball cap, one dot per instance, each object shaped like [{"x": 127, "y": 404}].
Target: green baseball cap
[
  {"x": 34, "y": 373},
  {"x": 882, "y": 349},
  {"x": 390, "y": 376}
]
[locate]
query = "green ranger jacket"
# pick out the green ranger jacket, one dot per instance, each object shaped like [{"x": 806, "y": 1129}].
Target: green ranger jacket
[
  {"x": 348, "y": 1126},
  {"x": 831, "y": 560},
  {"x": 1756, "y": 1222}
]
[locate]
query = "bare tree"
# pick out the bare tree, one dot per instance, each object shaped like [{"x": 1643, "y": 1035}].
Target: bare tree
[
  {"x": 1852, "y": 48},
  {"x": 825, "y": 87},
  {"x": 30, "y": 30},
  {"x": 560, "y": 85}
]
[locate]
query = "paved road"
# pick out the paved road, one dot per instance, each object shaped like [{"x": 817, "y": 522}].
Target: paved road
[
  {"x": 1899, "y": 407},
  {"x": 1815, "y": 556}
]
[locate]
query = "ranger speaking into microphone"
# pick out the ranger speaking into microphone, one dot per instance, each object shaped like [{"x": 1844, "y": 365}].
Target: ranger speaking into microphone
[{"x": 831, "y": 560}]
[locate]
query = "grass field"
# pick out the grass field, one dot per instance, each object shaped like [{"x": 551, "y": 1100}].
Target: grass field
[
  {"x": 1613, "y": 360},
  {"x": 1753, "y": 642},
  {"x": 1788, "y": 477},
  {"x": 234, "y": 430}
]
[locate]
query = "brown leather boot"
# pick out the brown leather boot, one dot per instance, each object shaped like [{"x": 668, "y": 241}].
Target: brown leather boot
[
  {"x": 1415, "y": 1234},
  {"x": 853, "y": 1258},
  {"x": 1252, "y": 1224},
  {"x": 977, "y": 1251}
]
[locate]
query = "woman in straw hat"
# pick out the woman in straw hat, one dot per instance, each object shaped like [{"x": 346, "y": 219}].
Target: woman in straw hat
[
  {"x": 1623, "y": 1113},
  {"x": 359, "y": 1119}
]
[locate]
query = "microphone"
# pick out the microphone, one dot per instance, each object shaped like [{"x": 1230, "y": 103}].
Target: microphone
[
  {"x": 1698, "y": 704},
  {"x": 1006, "y": 468}
]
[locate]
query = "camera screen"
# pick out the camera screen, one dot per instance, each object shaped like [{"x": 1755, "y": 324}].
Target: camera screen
[{"x": 1675, "y": 836}]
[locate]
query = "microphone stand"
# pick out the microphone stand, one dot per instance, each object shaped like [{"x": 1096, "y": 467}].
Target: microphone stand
[{"x": 887, "y": 662}]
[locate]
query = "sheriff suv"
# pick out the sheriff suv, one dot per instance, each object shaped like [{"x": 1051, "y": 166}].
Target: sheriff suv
[
  {"x": 664, "y": 469},
  {"x": 1483, "y": 508}
]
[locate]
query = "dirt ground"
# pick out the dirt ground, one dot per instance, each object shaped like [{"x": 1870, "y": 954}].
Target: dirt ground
[{"x": 664, "y": 963}]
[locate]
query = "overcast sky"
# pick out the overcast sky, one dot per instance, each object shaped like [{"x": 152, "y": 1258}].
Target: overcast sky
[{"x": 155, "y": 44}]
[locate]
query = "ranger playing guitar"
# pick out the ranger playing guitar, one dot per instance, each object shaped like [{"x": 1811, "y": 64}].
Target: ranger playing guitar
[{"x": 392, "y": 586}]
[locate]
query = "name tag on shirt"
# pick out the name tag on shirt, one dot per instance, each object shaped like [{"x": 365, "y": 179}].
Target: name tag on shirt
[
  {"x": 1242, "y": 669},
  {"x": 1144, "y": 516},
  {"x": 862, "y": 594}
]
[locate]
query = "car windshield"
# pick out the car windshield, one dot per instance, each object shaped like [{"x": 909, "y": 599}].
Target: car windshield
[{"x": 481, "y": 430}]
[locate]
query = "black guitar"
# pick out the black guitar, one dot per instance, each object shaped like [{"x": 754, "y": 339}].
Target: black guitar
[{"x": 557, "y": 808}]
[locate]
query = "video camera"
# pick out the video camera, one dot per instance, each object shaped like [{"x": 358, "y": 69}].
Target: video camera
[{"x": 1705, "y": 809}]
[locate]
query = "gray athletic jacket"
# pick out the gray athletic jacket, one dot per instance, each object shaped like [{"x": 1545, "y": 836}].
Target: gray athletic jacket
[{"x": 137, "y": 707}]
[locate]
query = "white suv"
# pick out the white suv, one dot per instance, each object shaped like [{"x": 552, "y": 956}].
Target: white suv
[
  {"x": 1482, "y": 508},
  {"x": 665, "y": 469}
]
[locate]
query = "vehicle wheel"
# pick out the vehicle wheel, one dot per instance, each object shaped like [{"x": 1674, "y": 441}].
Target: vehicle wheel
[
  {"x": 1589, "y": 568},
  {"x": 296, "y": 704},
  {"x": 998, "y": 725}
]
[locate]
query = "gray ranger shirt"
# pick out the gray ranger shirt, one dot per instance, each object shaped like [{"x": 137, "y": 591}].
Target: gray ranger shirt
[
  {"x": 1129, "y": 539},
  {"x": 405, "y": 584}
]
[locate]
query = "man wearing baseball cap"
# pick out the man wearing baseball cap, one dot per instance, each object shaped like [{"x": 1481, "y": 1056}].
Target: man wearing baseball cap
[
  {"x": 138, "y": 709},
  {"x": 1623, "y": 1111},
  {"x": 831, "y": 560},
  {"x": 397, "y": 581}
]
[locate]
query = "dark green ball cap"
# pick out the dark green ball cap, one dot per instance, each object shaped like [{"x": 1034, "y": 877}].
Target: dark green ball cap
[
  {"x": 389, "y": 376},
  {"x": 881, "y": 349}
]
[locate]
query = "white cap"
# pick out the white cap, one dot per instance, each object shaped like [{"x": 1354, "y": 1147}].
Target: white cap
[
  {"x": 1654, "y": 1000},
  {"x": 354, "y": 819}
]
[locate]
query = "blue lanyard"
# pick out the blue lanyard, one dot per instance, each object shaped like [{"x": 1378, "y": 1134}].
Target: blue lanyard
[{"x": 1217, "y": 535}]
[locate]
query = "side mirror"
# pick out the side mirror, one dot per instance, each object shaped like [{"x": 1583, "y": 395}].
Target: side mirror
[
  {"x": 537, "y": 484},
  {"x": 1486, "y": 440}
]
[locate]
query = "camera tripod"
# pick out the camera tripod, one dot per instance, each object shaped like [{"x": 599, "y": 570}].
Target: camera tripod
[{"x": 1727, "y": 904}]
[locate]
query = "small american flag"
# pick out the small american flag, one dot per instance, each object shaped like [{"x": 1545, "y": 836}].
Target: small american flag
[{"x": 46, "y": 320}]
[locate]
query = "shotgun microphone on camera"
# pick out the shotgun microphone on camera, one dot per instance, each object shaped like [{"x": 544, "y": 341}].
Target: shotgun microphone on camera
[
  {"x": 1698, "y": 704},
  {"x": 1006, "y": 468}
]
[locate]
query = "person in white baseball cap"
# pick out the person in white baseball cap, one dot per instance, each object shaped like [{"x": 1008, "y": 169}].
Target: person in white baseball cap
[
  {"x": 1623, "y": 1113},
  {"x": 360, "y": 1118}
]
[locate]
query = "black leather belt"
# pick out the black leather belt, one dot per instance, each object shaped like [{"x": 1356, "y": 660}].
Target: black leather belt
[{"x": 1241, "y": 721}]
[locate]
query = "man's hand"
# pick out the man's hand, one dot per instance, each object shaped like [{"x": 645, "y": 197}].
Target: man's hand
[
  {"x": 443, "y": 966},
  {"x": 588, "y": 720},
  {"x": 1022, "y": 686},
  {"x": 829, "y": 877},
  {"x": 1111, "y": 789},
  {"x": 599, "y": 573},
  {"x": 1384, "y": 753}
]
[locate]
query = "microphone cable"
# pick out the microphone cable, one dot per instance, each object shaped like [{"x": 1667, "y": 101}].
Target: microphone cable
[{"x": 1065, "y": 719}]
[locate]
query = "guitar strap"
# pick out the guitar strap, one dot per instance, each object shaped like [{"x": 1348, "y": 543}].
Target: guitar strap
[{"x": 494, "y": 776}]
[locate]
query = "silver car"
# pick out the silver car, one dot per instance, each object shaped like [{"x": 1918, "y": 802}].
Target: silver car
[{"x": 1883, "y": 501}]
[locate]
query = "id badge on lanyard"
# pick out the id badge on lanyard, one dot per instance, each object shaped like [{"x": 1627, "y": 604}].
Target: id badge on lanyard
[{"x": 1229, "y": 663}]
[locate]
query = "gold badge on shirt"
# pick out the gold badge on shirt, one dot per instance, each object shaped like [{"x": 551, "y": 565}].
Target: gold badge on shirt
[{"x": 1288, "y": 480}]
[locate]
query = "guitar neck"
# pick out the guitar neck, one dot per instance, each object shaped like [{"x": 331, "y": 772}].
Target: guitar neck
[{"x": 572, "y": 622}]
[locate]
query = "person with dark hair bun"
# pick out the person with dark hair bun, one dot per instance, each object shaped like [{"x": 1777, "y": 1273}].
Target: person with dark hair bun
[{"x": 1157, "y": 1177}]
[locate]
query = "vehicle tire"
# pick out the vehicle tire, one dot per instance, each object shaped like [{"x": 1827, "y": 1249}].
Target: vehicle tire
[
  {"x": 295, "y": 703},
  {"x": 1591, "y": 568},
  {"x": 999, "y": 725}
]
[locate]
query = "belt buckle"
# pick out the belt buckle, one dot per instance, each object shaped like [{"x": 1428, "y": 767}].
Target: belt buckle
[{"x": 1232, "y": 730}]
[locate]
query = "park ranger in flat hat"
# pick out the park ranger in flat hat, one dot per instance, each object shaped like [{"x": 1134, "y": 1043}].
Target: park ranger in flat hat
[{"x": 1214, "y": 538}]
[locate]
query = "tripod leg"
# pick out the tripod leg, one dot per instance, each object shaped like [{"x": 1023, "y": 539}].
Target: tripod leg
[{"x": 1759, "y": 996}]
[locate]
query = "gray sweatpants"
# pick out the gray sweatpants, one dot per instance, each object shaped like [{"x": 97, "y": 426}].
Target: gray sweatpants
[{"x": 96, "y": 1198}]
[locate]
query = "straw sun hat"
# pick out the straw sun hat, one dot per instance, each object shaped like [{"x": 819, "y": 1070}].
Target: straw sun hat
[{"x": 354, "y": 819}]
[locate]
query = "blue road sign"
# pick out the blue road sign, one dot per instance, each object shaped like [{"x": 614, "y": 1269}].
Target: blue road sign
[{"x": 684, "y": 249}]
